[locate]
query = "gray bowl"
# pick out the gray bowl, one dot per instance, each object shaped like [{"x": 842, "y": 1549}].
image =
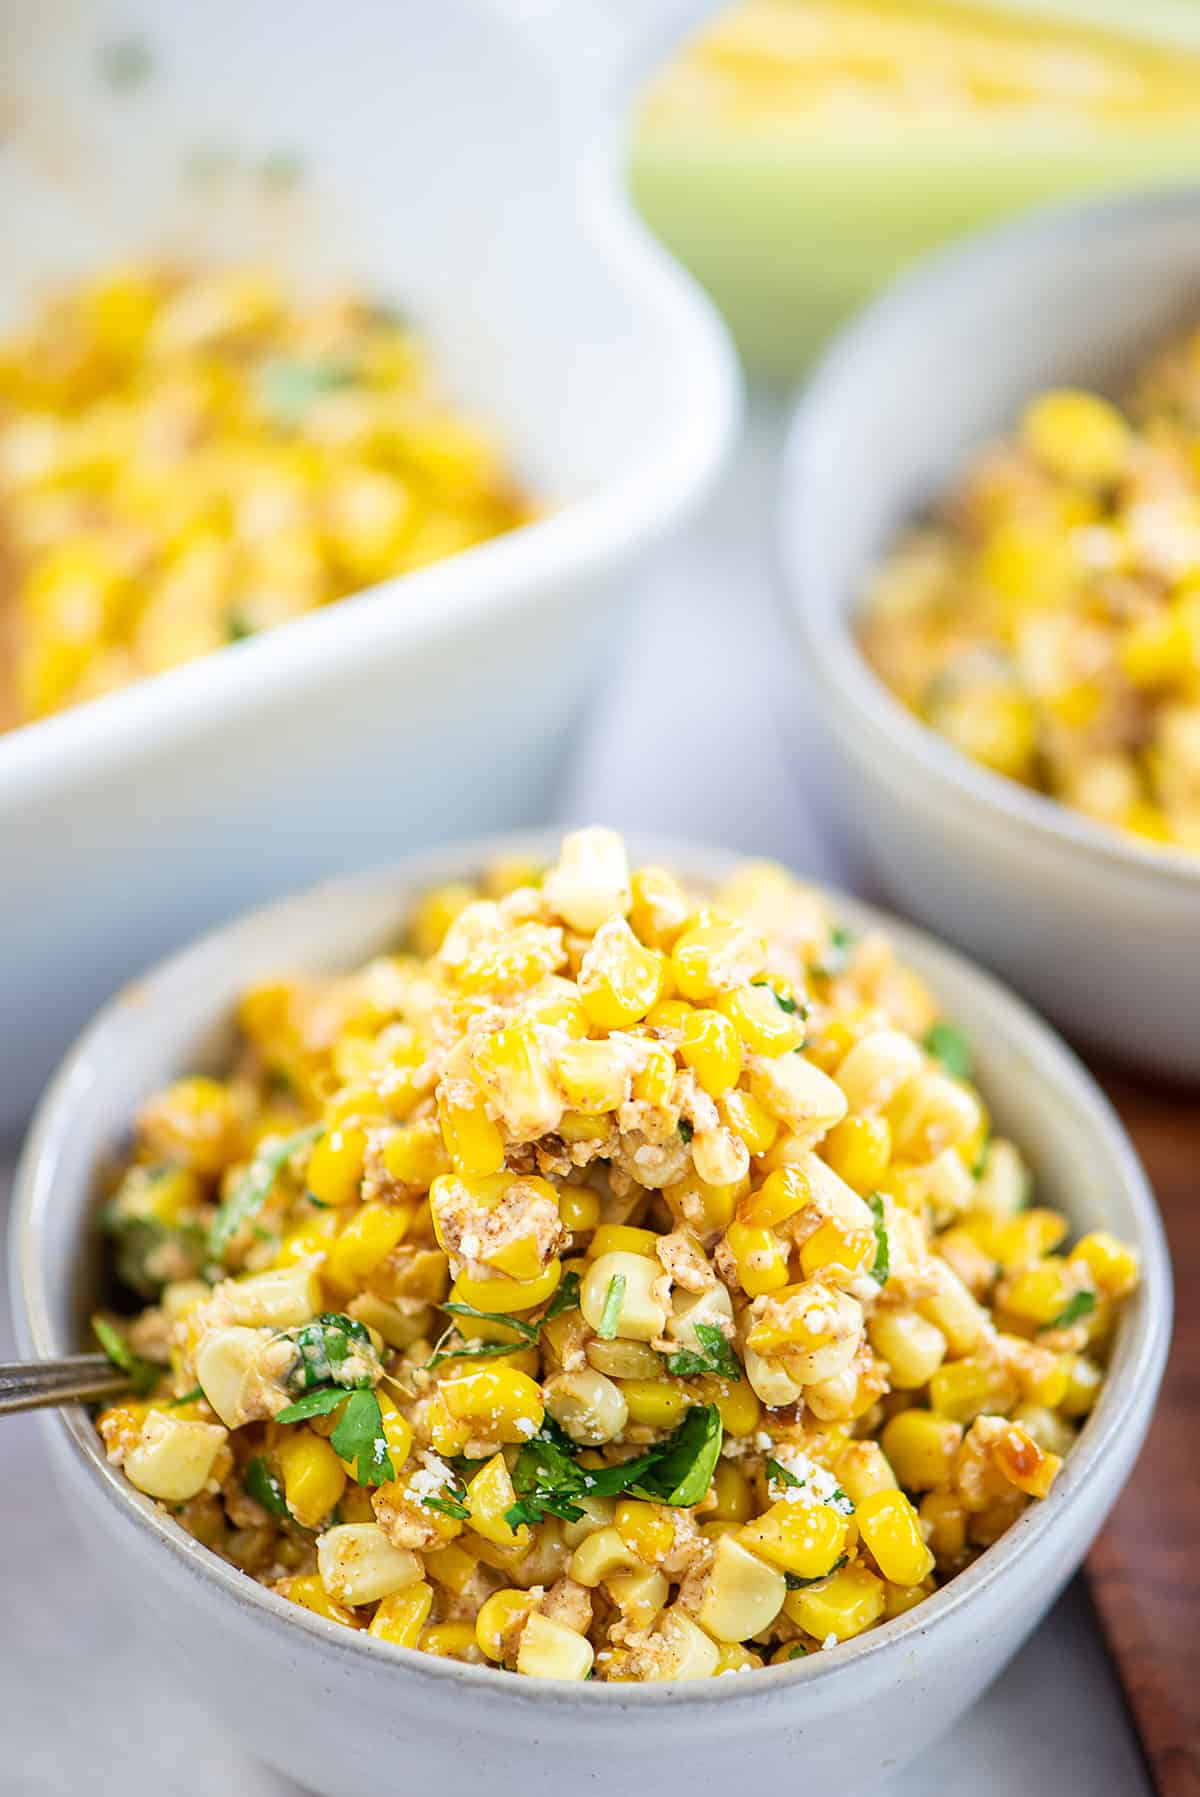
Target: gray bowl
[
  {"x": 1102, "y": 931},
  {"x": 340, "y": 1712}
]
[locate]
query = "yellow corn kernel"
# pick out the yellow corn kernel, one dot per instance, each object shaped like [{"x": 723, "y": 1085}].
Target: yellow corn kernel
[
  {"x": 843, "y": 1606},
  {"x": 1077, "y": 437},
  {"x": 1023, "y": 1463},
  {"x": 471, "y": 1139},
  {"x": 613, "y": 1237},
  {"x": 513, "y": 1071},
  {"x": 734, "y": 1657},
  {"x": 498, "y": 1616},
  {"x": 450, "y": 1641},
  {"x": 512, "y": 1296},
  {"x": 655, "y": 1081},
  {"x": 660, "y": 907},
  {"x": 668, "y": 1014},
  {"x": 619, "y": 980},
  {"x": 307, "y": 1239},
  {"x": 767, "y": 1019},
  {"x": 355, "y": 1504},
  {"x": 490, "y": 1496},
  {"x": 654, "y": 1403},
  {"x": 593, "y": 1076},
  {"x": 396, "y": 1430},
  {"x": 313, "y": 1476},
  {"x": 335, "y": 1166},
  {"x": 400, "y": 1617},
  {"x": 712, "y": 1048},
  {"x": 452, "y": 1567},
  {"x": 1084, "y": 1380},
  {"x": 945, "y": 1524},
  {"x": 734, "y": 1497},
  {"x": 739, "y": 1406},
  {"x": 716, "y": 956},
  {"x": 601, "y": 1554},
  {"x": 356, "y": 1103},
  {"x": 912, "y": 1346},
  {"x": 859, "y": 1149},
  {"x": 415, "y": 1154},
  {"x": 579, "y": 1209},
  {"x": 1039, "y": 1293},
  {"x": 741, "y": 1113},
  {"x": 499, "y": 1403},
  {"x": 835, "y": 1248},
  {"x": 447, "y": 1434},
  {"x": 368, "y": 1238},
  {"x": 781, "y": 1195},
  {"x": 1157, "y": 651},
  {"x": 646, "y": 1529},
  {"x": 556, "y": 1003},
  {"x": 889, "y": 1526},
  {"x": 705, "y": 1209},
  {"x": 761, "y": 1258},
  {"x": 971, "y": 1387},
  {"x": 804, "y": 1539},
  {"x": 1020, "y": 1240},
  {"x": 1112, "y": 1265},
  {"x": 436, "y": 912},
  {"x": 307, "y": 1590},
  {"x": 194, "y": 1121},
  {"x": 898, "y": 1600},
  {"x": 519, "y": 958},
  {"x": 921, "y": 1448}
]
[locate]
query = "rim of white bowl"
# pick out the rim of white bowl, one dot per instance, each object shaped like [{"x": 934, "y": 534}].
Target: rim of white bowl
[
  {"x": 1134, "y": 1377},
  {"x": 822, "y": 626},
  {"x": 583, "y": 538}
]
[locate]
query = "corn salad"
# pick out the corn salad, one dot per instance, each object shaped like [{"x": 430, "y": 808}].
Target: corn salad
[
  {"x": 622, "y": 1283},
  {"x": 187, "y": 459},
  {"x": 1047, "y": 619}
]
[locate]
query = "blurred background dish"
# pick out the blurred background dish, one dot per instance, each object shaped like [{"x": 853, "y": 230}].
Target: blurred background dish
[
  {"x": 802, "y": 152},
  {"x": 209, "y": 135},
  {"x": 1098, "y": 927}
]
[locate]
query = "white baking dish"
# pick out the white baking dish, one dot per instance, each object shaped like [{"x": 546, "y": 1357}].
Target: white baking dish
[{"x": 447, "y": 160}]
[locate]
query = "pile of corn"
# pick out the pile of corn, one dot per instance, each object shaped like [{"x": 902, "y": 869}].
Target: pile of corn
[
  {"x": 1047, "y": 620},
  {"x": 188, "y": 459},
  {"x": 624, "y": 1283},
  {"x": 788, "y": 65}
]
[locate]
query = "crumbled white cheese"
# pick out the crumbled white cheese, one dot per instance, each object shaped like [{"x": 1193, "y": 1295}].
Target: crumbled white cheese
[
  {"x": 817, "y": 1486},
  {"x": 469, "y": 1245},
  {"x": 525, "y": 1425},
  {"x": 432, "y": 1476},
  {"x": 763, "y": 1441}
]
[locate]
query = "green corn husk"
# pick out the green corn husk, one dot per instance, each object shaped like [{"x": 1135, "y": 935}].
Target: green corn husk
[{"x": 790, "y": 225}]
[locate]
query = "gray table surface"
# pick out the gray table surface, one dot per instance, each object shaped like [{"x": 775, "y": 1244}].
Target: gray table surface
[{"x": 82, "y": 1713}]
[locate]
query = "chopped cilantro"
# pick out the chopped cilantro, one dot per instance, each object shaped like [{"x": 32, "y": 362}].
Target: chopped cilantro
[
  {"x": 288, "y": 387},
  {"x": 799, "y": 1651},
  {"x": 189, "y": 1397},
  {"x": 565, "y": 1298},
  {"x": 1081, "y": 1305},
  {"x": 794, "y": 1582},
  {"x": 323, "y": 1348},
  {"x": 881, "y": 1265},
  {"x": 548, "y": 1479},
  {"x": 237, "y": 626},
  {"x": 947, "y": 1044},
  {"x": 713, "y": 1356},
  {"x": 518, "y": 1324},
  {"x": 686, "y": 1130},
  {"x": 778, "y": 1474},
  {"x": 254, "y": 1187},
  {"x": 683, "y": 1474},
  {"x": 143, "y": 1374},
  {"x": 782, "y": 999},
  {"x": 359, "y": 1439},
  {"x": 261, "y": 1484},
  {"x": 610, "y": 1316},
  {"x": 313, "y": 1403},
  {"x": 455, "y": 1505}
]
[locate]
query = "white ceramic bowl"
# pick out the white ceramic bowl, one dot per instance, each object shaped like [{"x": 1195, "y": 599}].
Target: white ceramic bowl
[
  {"x": 450, "y": 163},
  {"x": 1103, "y": 932},
  {"x": 342, "y": 1713}
]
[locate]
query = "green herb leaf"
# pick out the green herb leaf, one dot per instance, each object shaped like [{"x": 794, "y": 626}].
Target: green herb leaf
[
  {"x": 288, "y": 387},
  {"x": 683, "y": 1474},
  {"x": 610, "y": 1316},
  {"x": 795, "y": 1583},
  {"x": 713, "y": 1356},
  {"x": 686, "y": 1130},
  {"x": 325, "y": 1348},
  {"x": 359, "y": 1439},
  {"x": 254, "y": 1187},
  {"x": 448, "y": 1507},
  {"x": 778, "y": 1474},
  {"x": 565, "y": 1298},
  {"x": 785, "y": 1004},
  {"x": 143, "y": 1374},
  {"x": 947, "y": 1044},
  {"x": 1081, "y": 1305},
  {"x": 237, "y": 626},
  {"x": 261, "y": 1484},
  {"x": 799, "y": 1651},
  {"x": 528, "y": 1330},
  {"x": 313, "y": 1403},
  {"x": 881, "y": 1265},
  {"x": 189, "y": 1397}
]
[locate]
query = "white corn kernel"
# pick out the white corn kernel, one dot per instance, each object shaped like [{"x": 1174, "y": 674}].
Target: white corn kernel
[
  {"x": 876, "y": 1068},
  {"x": 359, "y": 1565},
  {"x": 638, "y": 1315},
  {"x": 283, "y": 1298},
  {"x": 741, "y": 1594},
  {"x": 173, "y": 1457},
  {"x": 798, "y": 1093},
  {"x": 587, "y": 1406},
  {"x": 714, "y": 1307},
  {"x": 769, "y": 1382},
  {"x": 590, "y": 881},
  {"x": 223, "y": 1361},
  {"x": 690, "y": 1652},
  {"x": 548, "y": 1650}
]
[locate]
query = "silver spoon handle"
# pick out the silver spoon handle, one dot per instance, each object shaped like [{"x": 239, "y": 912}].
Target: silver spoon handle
[{"x": 78, "y": 1379}]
